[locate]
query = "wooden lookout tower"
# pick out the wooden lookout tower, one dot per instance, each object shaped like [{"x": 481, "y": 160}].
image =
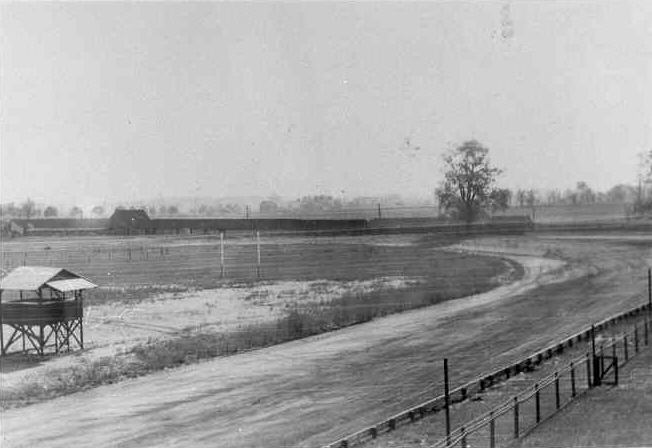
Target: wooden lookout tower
[{"x": 43, "y": 307}]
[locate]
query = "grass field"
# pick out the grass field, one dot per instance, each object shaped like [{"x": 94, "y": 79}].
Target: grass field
[
  {"x": 132, "y": 268},
  {"x": 557, "y": 214},
  {"x": 162, "y": 302}
]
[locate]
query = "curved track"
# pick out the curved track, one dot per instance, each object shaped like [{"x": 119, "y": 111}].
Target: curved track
[{"x": 315, "y": 390}]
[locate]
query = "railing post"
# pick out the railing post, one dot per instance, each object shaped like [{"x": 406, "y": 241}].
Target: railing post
[
  {"x": 646, "y": 330},
  {"x": 463, "y": 441},
  {"x": 649, "y": 291},
  {"x": 572, "y": 372},
  {"x": 446, "y": 402},
  {"x": 557, "y": 401},
  {"x": 601, "y": 360},
  {"x": 625, "y": 345},
  {"x": 616, "y": 371},
  {"x": 537, "y": 403},
  {"x": 516, "y": 417},
  {"x": 588, "y": 371},
  {"x": 492, "y": 431},
  {"x": 596, "y": 360},
  {"x": 635, "y": 338},
  {"x": 613, "y": 347}
]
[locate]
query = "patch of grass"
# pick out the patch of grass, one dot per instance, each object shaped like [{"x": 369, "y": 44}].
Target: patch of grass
[
  {"x": 66, "y": 380},
  {"x": 129, "y": 294},
  {"x": 299, "y": 322},
  {"x": 307, "y": 320}
]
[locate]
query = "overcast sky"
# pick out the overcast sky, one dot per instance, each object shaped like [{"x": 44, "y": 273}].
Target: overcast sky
[{"x": 103, "y": 102}]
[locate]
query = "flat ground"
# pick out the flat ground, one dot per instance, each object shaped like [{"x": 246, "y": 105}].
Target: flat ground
[
  {"x": 605, "y": 417},
  {"x": 187, "y": 295},
  {"x": 309, "y": 392}
]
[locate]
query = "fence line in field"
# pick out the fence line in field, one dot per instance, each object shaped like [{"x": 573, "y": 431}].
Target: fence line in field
[{"x": 478, "y": 385}]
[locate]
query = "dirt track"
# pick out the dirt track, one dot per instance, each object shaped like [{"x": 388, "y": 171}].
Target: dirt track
[{"x": 312, "y": 391}]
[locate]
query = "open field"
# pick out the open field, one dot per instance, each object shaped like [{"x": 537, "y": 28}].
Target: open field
[
  {"x": 342, "y": 381},
  {"x": 551, "y": 214},
  {"x": 137, "y": 266},
  {"x": 325, "y": 283},
  {"x": 178, "y": 285}
]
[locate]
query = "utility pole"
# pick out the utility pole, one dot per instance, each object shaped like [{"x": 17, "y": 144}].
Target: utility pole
[
  {"x": 258, "y": 253},
  {"x": 447, "y": 402},
  {"x": 649, "y": 292},
  {"x": 221, "y": 254}
]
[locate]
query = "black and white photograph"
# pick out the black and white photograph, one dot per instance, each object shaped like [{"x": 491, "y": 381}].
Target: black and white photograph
[{"x": 304, "y": 224}]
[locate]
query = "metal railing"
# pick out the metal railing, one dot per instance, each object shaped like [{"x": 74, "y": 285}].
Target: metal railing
[
  {"x": 520, "y": 414},
  {"x": 486, "y": 381}
]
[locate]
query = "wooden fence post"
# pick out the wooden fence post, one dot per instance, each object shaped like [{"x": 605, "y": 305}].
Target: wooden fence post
[
  {"x": 537, "y": 403},
  {"x": 588, "y": 371},
  {"x": 615, "y": 370},
  {"x": 516, "y": 418},
  {"x": 492, "y": 431},
  {"x": 557, "y": 400},
  {"x": 446, "y": 402},
  {"x": 222, "y": 254},
  {"x": 596, "y": 360}
]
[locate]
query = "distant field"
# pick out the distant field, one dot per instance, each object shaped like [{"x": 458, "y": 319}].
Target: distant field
[{"x": 572, "y": 213}]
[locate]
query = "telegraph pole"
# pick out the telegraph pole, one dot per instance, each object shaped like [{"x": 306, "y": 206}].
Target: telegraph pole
[
  {"x": 221, "y": 254},
  {"x": 649, "y": 292},
  {"x": 447, "y": 402}
]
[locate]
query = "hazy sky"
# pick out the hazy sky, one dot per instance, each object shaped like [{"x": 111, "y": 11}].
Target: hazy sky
[{"x": 116, "y": 101}]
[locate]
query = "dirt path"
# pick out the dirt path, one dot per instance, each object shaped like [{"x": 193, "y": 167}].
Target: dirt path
[{"x": 311, "y": 391}]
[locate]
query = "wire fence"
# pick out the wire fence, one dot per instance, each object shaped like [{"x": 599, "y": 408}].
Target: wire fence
[
  {"x": 553, "y": 392},
  {"x": 520, "y": 414}
]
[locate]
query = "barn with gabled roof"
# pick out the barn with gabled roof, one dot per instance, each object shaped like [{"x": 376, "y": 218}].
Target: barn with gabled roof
[{"x": 128, "y": 220}]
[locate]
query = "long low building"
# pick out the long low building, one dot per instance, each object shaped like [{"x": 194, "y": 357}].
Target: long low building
[{"x": 136, "y": 221}]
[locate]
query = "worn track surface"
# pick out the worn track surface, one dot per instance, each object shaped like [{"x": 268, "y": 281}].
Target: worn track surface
[{"x": 312, "y": 391}]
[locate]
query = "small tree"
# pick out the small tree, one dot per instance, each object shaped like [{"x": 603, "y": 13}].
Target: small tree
[
  {"x": 499, "y": 199},
  {"x": 521, "y": 196},
  {"x": 51, "y": 212},
  {"x": 76, "y": 212},
  {"x": 97, "y": 211},
  {"x": 468, "y": 187},
  {"x": 28, "y": 208}
]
